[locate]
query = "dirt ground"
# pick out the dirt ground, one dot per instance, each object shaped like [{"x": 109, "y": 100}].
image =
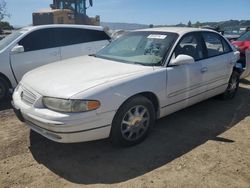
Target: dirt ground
[{"x": 206, "y": 145}]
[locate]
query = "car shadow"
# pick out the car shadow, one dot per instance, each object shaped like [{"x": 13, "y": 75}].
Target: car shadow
[
  {"x": 173, "y": 136},
  {"x": 6, "y": 104}
]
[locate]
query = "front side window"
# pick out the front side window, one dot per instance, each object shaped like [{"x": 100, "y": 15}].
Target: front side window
[
  {"x": 189, "y": 45},
  {"x": 145, "y": 47},
  {"x": 40, "y": 39},
  {"x": 213, "y": 43}
]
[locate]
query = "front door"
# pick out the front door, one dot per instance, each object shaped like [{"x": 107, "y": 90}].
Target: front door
[
  {"x": 185, "y": 84},
  {"x": 40, "y": 48}
]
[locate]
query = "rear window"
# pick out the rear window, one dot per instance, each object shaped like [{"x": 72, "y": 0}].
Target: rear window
[{"x": 71, "y": 36}]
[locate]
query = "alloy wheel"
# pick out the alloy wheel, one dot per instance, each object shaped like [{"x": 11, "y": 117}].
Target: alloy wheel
[{"x": 135, "y": 123}]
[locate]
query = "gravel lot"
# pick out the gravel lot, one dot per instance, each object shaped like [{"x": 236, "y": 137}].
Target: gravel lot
[{"x": 206, "y": 145}]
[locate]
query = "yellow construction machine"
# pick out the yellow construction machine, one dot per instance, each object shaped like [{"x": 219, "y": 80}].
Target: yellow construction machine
[{"x": 66, "y": 12}]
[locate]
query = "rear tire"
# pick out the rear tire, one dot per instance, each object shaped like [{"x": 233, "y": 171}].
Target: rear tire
[
  {"x": 232, "y": 87},
  {"x": 133, "y": 121},
  {"x": 4, "y": 89}
]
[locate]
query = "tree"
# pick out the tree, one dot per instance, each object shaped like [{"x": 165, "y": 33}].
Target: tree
[
  {"x": 3, "y": 12},
  {"x": 189, "y": 24},
  {"x": 197, "y": 24},
  {"x": 180, "y": 25},
  {"x": 6, "y": 25},
  {"x": 151, "y": 26}
]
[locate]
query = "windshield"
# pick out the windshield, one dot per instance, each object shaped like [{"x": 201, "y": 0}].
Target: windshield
[
  {"x": 244, "y": 37},
  {"x": 142, "y": 47},
  {"x": 8, "y": 39}
]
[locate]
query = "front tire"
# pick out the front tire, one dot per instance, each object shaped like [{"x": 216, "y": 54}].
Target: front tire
[
  {"x": 232, "y": 87},
  {"x": 133, "y": 121},
  {"x": 4, "y": 89}
]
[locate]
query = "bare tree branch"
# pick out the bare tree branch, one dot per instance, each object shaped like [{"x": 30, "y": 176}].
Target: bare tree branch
[{"x": 3, "y": 12}]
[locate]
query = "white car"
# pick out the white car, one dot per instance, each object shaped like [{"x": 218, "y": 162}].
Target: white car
[
  {"x": 120, "y": 92},
  {"x": 35, "y": 46}
]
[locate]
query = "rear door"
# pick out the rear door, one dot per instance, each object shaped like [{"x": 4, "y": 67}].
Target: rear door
[
  {"x": 218, "y": 64},
  {"x": 77, "y": 42},
  {"x": 40, "y": 48}
]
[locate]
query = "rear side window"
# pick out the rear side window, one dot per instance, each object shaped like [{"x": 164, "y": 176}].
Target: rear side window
[
  {"x": 71, "y": 36},
  {"x": 40, "y": 39},
  {"x": 98, "y": 35},
  {"x": 227, "y": 48},
  {"x": 213, "y": 43}
]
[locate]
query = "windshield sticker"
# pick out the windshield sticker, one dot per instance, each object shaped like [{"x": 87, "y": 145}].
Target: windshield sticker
[{"x": 154, "y": 36}]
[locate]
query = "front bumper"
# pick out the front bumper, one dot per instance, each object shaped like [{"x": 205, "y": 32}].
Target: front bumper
[{"x": 61, "y": 127}]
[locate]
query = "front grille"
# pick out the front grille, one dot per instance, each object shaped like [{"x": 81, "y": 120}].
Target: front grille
[{"x": 27, "y": 96}]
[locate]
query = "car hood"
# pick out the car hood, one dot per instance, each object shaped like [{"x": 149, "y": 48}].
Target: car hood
[{"x": 66, "y": 78}]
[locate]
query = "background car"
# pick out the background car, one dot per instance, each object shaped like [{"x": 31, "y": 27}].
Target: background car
[
  {"x": 35, "y": 46},
  {"x": 243, "y": 44},
  {"x": 142, "y": 76}
]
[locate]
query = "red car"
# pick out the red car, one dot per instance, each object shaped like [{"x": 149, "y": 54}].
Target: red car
[{"x": 243, "y": 44}]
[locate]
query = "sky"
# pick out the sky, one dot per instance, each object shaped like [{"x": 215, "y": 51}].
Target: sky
[{"x": 155, "y": 12}]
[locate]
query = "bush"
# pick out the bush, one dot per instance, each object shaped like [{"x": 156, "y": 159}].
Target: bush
[{"x": 5, "y": 25}]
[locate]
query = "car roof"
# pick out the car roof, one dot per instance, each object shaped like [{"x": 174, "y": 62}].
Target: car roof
[
  {"x": 30, "y": 28},
  {"x": 179, "y": 30}
]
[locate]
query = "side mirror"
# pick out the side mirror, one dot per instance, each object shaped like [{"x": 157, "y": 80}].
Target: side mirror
[
  {"x": 182, "y": 60},
  {"x": 17, "y": 49}
]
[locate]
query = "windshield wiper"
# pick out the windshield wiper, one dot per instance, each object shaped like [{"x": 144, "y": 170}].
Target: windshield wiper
[
  {"x": 92, "y": 55},
  {"x": 138, "y": 63},
  {"x": 145, "y": 64}
]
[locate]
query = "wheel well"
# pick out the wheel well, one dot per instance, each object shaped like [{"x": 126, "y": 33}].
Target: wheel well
[
  {"x": 6, "y": 79},
  {"x": 240, "y": 70},
  {"x": 152, "y": 97}
]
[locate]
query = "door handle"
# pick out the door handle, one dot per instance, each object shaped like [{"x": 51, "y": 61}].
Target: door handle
[{"x": 204, "y": 69}]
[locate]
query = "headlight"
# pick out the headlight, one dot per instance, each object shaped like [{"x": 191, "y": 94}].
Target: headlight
[{"x": 71, "y": 105}]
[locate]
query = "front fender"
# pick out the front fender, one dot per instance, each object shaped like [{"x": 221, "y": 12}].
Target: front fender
[{"x": 113, "y": 94}]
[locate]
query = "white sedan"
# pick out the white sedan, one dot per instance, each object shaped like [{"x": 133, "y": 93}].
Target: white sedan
[{"x": 120, "y": 91}]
